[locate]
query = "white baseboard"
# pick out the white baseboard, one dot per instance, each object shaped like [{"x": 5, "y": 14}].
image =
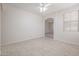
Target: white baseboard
[
  {"x": 72, "y": 43},
  {"x": 22, "y": 40}
]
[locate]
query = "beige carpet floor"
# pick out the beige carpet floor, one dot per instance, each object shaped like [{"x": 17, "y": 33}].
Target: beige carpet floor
[
  {"x": 49, "y": 35},
  {"x": 40, "y": 47}
]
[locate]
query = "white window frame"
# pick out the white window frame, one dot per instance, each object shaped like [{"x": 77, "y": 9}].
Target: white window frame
[{"x": 71, "y": 22}]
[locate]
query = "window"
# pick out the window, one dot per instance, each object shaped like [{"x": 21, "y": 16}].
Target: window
[{"x": 71, "y": 21}]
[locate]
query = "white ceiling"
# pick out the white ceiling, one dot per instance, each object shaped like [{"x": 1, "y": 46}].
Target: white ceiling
[{"x": 34, "y": 7}]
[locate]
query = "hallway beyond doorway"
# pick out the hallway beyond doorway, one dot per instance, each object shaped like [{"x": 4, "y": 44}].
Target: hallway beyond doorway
[
  {"x": 50, "y": 35},
  {"x": 49, "y": 28}
]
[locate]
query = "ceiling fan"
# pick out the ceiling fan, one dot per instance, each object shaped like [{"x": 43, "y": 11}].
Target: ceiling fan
[{"x": 43, "y": 7}]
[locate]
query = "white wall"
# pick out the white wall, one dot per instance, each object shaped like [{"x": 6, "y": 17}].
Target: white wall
[
  {"x": 59, "y": 34},
  {"x": 19, "y": 25}
]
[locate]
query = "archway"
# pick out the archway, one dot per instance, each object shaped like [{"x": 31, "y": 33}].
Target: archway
[{"x": 49, "y": 27}]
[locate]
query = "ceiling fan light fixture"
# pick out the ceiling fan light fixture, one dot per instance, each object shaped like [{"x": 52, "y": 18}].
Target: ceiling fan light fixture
[{"x": 43, "y": 9}]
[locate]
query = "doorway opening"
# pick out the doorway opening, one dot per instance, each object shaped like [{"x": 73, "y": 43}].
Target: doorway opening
[{"x": 49, "y": 27}]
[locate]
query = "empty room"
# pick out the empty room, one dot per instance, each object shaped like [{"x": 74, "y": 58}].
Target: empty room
[{"x": 39, "y": 29}]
